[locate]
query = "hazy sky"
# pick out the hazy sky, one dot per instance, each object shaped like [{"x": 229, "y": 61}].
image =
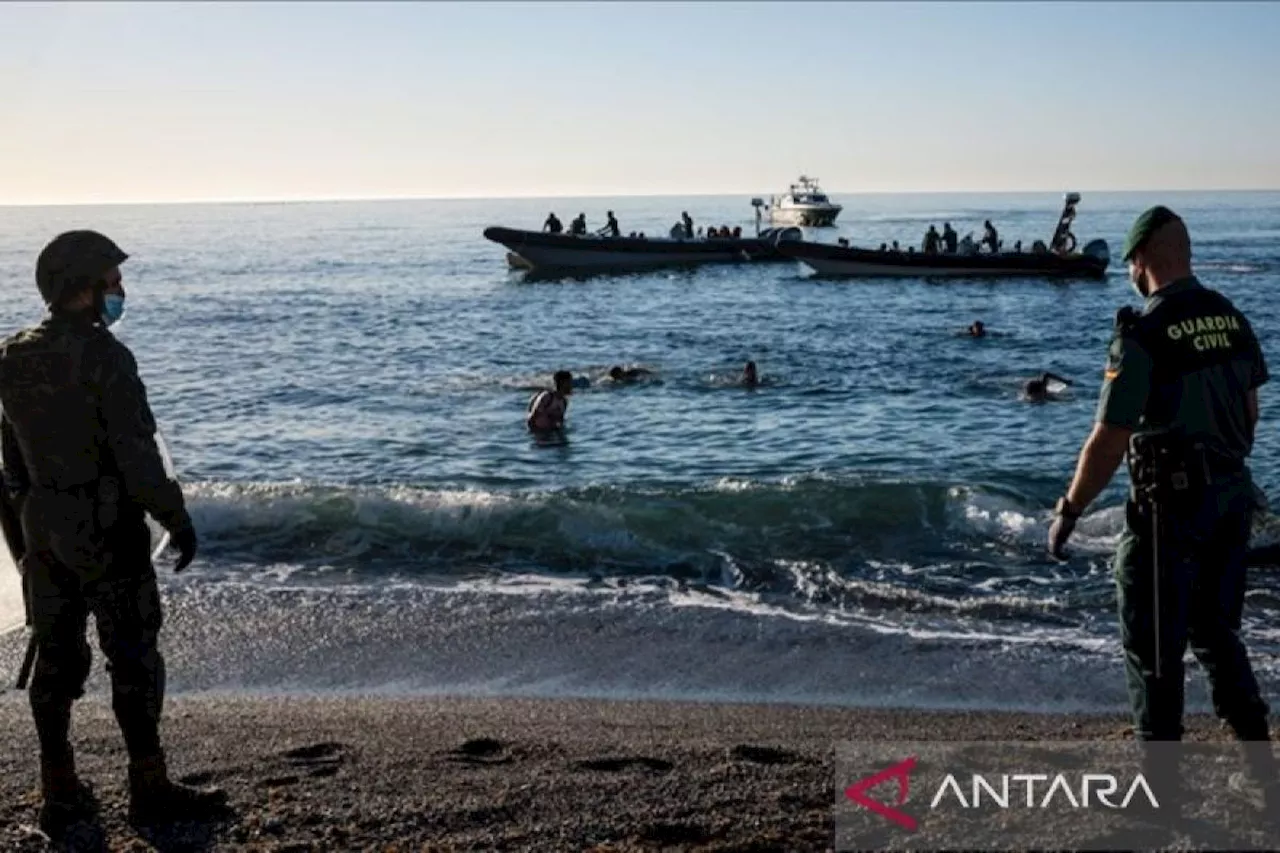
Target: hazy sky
[{"x": 153, "y": 101}]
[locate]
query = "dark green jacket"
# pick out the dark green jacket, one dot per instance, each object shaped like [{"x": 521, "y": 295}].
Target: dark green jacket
[
  {"x": 1188, "y": 361},
  {"x": 77, "y": 436}
]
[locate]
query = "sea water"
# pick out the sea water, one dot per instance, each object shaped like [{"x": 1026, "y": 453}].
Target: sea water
[{"x": 343, "y": 388}]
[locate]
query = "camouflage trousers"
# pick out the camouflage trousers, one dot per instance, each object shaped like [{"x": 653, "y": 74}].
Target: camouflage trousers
[
  {"x": 1202, "y": 587},
  {"x": 127, "y": 612}
]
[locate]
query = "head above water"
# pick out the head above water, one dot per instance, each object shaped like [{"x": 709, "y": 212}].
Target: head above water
[
  {"x": 563, "y": 381},
  {"x": 1158, "y": 249},
  {"x": 749, "y": 373},
  {"x": 615, "y": 372}
]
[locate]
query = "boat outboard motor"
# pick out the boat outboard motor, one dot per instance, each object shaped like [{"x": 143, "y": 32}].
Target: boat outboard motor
[{"x": 1098, "y": 249}]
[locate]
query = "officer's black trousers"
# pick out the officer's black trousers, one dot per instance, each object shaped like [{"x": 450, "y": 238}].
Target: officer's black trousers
[{"x": 1202, "y": 550}]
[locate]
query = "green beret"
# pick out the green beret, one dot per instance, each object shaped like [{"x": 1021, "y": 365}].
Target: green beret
[{"x": 1144, "y": 226}]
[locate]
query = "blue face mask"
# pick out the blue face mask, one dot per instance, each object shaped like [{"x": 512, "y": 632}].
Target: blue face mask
[{"x": 112, "y": 308}]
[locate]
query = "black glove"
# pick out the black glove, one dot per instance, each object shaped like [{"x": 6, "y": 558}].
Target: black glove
[
  {"x": 185, "y": 541},
  {"x": 1064, "y": 522}
]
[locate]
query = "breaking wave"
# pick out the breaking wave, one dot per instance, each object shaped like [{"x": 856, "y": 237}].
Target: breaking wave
[{"x": 843, "y": 544}]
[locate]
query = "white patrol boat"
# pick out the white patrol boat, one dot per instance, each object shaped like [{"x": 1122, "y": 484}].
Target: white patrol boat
[{"x": 805, "y": 204}]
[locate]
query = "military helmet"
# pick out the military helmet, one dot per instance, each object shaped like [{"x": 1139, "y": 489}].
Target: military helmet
[{"x": 74, "y": 260}]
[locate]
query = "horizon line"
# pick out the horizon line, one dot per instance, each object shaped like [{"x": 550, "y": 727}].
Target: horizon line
[{"x": 530, "y": 197}]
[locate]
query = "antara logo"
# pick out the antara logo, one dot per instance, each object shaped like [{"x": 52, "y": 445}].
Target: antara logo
[
  {"x": 900, "y": 771},
  {"x": 1001, "y": 791}
]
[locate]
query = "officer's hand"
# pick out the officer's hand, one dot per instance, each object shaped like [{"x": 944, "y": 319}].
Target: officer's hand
[
  {"x": 185, "y": 541},
  {"x": 1059, "y": 532}
]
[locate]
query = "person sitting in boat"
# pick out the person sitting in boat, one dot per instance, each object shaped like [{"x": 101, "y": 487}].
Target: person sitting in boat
[
  {"x": 547, "y": 408},
  {"x": 990, "y": 238},
  {"x": 737, "y": 232},
  {"x": 1037, "y": 390},
  {"x": 884, "y": 247},
  {"x": 553, "y": 224},
  {"x": 578, "y": 226},
  {"x": 610, "y": 227},
  {"x": 628, "y": 375},
  {"x": 894, "y": 246},
  {"x": 700, "y": 232},
  {"x": 843, "y": 241},
  {"x": 677, "y": 231},
  {"x": 1017, "y": 247},
  {"x": 750, "y": 377},
  {"x": 931, "y": 241},
  {"x": 949, "y": 238},
  {"x": 688, "y": 224},
  {"x": 967, "y": 246}
]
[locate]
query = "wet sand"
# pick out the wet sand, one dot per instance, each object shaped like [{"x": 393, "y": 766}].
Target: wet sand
[{"x": 499, "y": 774}]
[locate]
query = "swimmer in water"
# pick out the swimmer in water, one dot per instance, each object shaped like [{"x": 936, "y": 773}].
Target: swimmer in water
[
  {"x": 750, "y": 378},
  {"x": 628, "y": 375},
  {"x": 977, "y": 330},
  {"x": 547, "y": 408},
  {"x": 1037, "y": 390}
]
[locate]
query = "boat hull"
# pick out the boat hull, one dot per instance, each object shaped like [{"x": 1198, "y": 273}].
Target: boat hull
[
  {"x": 805, "y": 217},
  {"x": 540, "y": 252},
  {"x": 846, "y": 261}
]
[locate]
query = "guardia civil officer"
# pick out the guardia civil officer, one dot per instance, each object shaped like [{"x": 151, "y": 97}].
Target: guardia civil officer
[
  {"x": 1182, "y": 382},
  {"x": 81, "y": 461}
]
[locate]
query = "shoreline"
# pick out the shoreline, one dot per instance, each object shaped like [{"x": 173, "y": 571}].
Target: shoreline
[{"x": 452, "y": 773}]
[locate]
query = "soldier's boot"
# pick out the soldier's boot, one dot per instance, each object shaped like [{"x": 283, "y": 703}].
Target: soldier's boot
[
  {"x": 1162, "y": 770},
  {"x": 65, "y": 800},
  {"x": 1261, "y": 766},
  {"x": 155, "y": 798}
]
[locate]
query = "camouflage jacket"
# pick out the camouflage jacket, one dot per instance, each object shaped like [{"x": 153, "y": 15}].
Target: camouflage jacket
[{"x": 75, "y": 412}]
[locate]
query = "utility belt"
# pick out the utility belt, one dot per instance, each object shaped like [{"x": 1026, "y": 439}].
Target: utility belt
[{"x": 1168, "y": 468}]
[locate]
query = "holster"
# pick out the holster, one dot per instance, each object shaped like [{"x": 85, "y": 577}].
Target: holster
[{"x": 1167, "y": 469}]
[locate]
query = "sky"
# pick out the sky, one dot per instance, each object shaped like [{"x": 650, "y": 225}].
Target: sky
[{"x": 138, "y": 102}]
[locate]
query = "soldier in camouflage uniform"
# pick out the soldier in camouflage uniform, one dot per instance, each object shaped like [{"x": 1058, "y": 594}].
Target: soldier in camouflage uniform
[
  {"x": 82, "y": 466},
  {"x": 1189, "y": 367}
]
